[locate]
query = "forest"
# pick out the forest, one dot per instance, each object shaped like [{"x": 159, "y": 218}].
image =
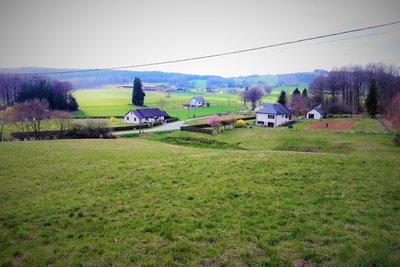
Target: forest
[{"x": 345, "y": 89}]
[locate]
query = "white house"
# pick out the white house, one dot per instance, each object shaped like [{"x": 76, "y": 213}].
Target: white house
[
  {"x": 316, "y": 114},
  {"x": 273, "y": 115},
  {"x": 197, "y": 102},
  {"x": 145, "y": 115}
]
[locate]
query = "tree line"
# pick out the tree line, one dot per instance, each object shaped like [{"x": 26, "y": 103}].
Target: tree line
[
  {"x": 346, "y": 90},
  {"x": 18, "y": 88}
]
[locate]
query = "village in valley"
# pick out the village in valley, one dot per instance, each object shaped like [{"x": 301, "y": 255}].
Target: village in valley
[{"x": 199, "y": 133}]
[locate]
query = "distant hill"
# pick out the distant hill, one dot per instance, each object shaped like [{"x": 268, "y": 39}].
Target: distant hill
[{"x": 94, "y": 79}]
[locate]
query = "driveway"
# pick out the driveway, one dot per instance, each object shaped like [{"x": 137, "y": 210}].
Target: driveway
[{"x": 172, "y": 126}]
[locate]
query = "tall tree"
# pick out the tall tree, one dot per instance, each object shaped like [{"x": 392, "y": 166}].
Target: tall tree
[
  {"x": 282, "y": 98},
  {"x": 372, "y": 99},
  {"x": 304, "y": 93},
  {"x": 253, "y": 95},
  {"x": 137, "y": 92}
]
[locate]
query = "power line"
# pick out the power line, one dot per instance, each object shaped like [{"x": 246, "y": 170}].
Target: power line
[{"x": 218, "y": 54}]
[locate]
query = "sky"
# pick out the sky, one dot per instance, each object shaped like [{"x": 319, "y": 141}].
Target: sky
[{"x": 100, "y": 34}]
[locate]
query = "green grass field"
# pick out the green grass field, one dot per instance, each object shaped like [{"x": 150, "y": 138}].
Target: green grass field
[
  {"x": 114, "y": 101},
  {"x": 245, "y": 197}
]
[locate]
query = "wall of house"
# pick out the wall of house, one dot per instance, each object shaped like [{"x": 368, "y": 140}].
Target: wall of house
[
  {"x": 281, "y": 119},
  {"x": 317, "y": 115},
  {"x": 277, "y": 120},
  {"x": 130, "y": 118},
  {"x": 194, "y": 103}
]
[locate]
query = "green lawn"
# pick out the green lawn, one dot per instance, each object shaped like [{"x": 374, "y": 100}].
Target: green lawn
[{"x": 245, "y": 197}]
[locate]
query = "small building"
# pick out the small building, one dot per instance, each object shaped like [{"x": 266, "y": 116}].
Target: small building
[
  {"x": 197, "y": 102},
  {"x": 145, "y": 115},
  {"x": 273, "y": 115},
  {"x": 315, "y": 114}
]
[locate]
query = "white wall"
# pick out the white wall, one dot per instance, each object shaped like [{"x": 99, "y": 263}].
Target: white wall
[
  {"x": 317, "y": 115},
  {"x": 131, "y": 118},
  {"x": 277, "y": 120}
]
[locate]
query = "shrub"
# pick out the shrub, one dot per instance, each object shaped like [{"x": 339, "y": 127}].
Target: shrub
[
  {"x": 397, "y": 139},
  {"x": 240, "y": 123}
]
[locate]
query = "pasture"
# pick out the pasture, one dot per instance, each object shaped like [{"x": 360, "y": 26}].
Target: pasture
[
  {"x": 245, "y": 197},
  {"x": 115, "y": 101}
]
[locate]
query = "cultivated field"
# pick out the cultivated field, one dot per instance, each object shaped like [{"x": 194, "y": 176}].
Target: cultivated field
[
  {"x": 258, "y": 197},
  {"x": 337, "y": 125}
]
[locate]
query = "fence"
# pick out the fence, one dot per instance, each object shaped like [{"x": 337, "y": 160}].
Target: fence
[{"x": 197, "y": 129}]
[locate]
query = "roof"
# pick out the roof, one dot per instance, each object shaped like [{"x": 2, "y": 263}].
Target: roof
[
  {"x": 199, "y": 99},
  {"x": 148, "y": 113},
  {"x": 276, "y": 109},
  {"x": 320, "y": 111}
]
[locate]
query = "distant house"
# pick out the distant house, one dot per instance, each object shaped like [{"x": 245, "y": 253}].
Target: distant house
[
  {"x": 145, "y": 115},
  {"x": 197, "y": 102},
  {"x": 273, "y": 115},
  {"x": 316, "y": 114}
]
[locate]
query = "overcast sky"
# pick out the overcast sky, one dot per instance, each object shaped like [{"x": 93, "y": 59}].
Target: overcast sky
[{"x": 100, "y": 34}]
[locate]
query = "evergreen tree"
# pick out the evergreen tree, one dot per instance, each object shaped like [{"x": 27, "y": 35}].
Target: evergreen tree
[
  {"x": 372, "y": 99},
  {"x": 137, "y": 92},
  {"x": 296, "y": 92},
  {"x": 282, "y": 98},
  {"x": 304, "y": 93}
]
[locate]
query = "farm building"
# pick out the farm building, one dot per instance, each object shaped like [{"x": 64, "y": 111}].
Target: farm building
[
  {"x": 316, "y": 114},
  {"x": 273, "y": 115},
  {"x": 145, "y": 115},
  {"x": 197, "y": 102}
]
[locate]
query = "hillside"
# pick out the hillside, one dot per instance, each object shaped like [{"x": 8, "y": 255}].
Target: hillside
[
  {"x": 189, "y": 81},
  {"x": 145, "y": 203}
]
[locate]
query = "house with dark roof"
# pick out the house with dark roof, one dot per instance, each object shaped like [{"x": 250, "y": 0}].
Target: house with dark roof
[
  {"x": 316, "y": 114},
  {"x": 273, "y": 115},
  {"x": 145, "y": 115},
  {"x": 197, "y": 102}
]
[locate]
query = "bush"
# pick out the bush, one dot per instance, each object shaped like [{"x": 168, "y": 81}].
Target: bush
[
  {"x": 290, "y": 126},
  {"x": 240, "y": 123},
  {"x": 397, "y": 139}
]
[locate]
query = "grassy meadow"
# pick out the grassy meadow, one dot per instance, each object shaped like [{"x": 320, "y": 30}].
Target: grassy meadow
[
  {"x": 115, "y": 101},
  {"x": 245, "y": 197}
]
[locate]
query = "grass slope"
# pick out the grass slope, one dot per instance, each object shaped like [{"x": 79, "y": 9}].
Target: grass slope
[{"x": 139, "y": 202}]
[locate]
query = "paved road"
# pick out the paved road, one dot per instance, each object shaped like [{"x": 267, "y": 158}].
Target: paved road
[{"x": 165, "y": 127}]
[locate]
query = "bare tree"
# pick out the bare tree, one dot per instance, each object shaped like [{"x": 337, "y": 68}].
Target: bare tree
[
  {"x": 253, "y": 95},
  {"x": 63, "y": 119},
  {"x": 28, "y": 116}
]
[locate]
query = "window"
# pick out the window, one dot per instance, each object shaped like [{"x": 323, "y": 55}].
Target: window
[
  {"x": 127, "y": 118},
  {"x": 260, "y": 122},
  {"x": 271, "y": 117},
  {"x": 134, "y": 119}
]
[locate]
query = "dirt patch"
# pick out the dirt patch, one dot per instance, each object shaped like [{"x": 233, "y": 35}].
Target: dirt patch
[
  {"x": 145, "y": 135},
  {"x": 336, "y": 125}
]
